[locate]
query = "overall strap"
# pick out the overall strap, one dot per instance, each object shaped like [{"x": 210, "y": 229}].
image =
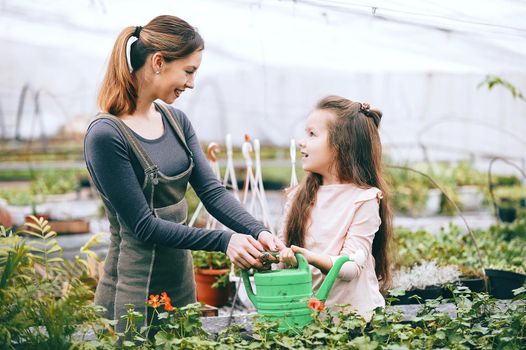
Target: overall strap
[
  {"x": 150, "y": 169},
  {"x": 172, "y": 119}
]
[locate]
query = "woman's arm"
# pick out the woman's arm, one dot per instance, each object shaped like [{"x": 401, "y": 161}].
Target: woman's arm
[
  {"x": 108, "y": 161},
  {"x": 218, "y": 201}
]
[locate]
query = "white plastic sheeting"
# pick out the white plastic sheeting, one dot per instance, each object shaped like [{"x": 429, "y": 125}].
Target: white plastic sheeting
[{"x": 266, "y": 63}]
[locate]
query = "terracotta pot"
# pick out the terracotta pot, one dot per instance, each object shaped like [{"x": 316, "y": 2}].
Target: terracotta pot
[
  {"x": 5, "y": 218},
  {"x": 204, "y": 279},
  {"x": 43, "y": 216},
  {"x": 30, "y": 220}
]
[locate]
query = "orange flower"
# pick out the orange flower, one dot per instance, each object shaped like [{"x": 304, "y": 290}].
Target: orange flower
[
  {"x": 168, "y": 307},
  {"x": 165, "y": 298},
  {"x": 316, "y": 304},
  {"x": 154, "y": 301}
]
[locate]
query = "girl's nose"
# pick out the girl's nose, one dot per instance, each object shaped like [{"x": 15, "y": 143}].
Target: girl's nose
[{"x": 301, "y": 143}]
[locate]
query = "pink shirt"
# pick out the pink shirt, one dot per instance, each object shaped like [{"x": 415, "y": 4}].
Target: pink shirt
[{"x": 344, "y": 219}]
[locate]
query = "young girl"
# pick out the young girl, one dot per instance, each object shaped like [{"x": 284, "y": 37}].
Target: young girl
[{"x": 341, "y": 206}]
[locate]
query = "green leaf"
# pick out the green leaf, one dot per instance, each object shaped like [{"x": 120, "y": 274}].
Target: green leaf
[
  {"x": 440, "y": 335},
  {"x": 56, "y": 248},
  {"x": 519, "y": 291},
  {"x": 128, "y": 344},
  {"x": 50, "y": 235}
]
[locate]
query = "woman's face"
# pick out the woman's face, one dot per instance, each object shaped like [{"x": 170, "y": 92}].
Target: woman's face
[
  {"x": 317, "y": 154},
  {"x": 176, "y": 76}
]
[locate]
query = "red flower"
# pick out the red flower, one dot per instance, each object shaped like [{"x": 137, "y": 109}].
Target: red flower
[
  {"x": 165, "y": 298},
  {"x": 154, "y": 301},
  {"x": 316, "y": 304},
  {"x": 168, "y": 307}
]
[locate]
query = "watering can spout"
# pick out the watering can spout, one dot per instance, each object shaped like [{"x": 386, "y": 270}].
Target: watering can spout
[{"x": 323, "y": 292}]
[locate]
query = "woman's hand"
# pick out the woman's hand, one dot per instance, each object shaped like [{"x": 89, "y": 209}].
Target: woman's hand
[
  {"x": 270, "y": 242},
  {"x": 244, "y": 250}
]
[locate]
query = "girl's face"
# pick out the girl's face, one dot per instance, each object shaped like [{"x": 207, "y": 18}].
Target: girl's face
[
  {"x": 317, "y": 154},
  {"x": 176, "y": 76}
]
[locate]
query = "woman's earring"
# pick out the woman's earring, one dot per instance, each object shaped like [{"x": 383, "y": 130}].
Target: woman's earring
[{"x": 157, "y": 72}]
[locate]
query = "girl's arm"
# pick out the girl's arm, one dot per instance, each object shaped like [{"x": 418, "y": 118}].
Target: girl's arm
[
  {"x": 321, "y": 261},
  {"x": 360, "y": 236}
]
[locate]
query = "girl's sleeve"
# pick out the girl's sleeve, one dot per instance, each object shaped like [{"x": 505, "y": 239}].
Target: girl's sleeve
[
  {"x": 361, "y": 232},
  {"x": 108, "y": 160},
  {"x": 218, "y": 201}
]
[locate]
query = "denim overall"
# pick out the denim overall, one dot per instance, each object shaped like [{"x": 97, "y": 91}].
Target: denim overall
[{"x": 133, "y": 269}]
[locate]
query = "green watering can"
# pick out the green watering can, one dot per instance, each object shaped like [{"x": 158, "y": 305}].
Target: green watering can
[{"x": 282, "y": 295}]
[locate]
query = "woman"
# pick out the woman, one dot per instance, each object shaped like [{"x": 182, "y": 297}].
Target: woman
[{"x": 141, "y": 155}]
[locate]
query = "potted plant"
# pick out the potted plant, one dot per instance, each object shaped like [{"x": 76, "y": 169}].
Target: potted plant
[
  {"x": 36, "y": 195},
  {"x": 504, "y": 278},
  {"x": 212, "y": 277},
  {"x": 508, "y": 200},
  {"x": 472, "y": 278},
  {"x": 469, "y": 182},
  {"x": 5, "y": 217},
  {"x": 412, "y": 193},
  {"x": 425, "y": 280}
]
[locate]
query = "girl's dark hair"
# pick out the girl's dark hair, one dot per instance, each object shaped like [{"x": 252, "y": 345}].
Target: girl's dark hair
[
  {"x": 171, "y": 36},
  {"x": 353, "y": 136}
]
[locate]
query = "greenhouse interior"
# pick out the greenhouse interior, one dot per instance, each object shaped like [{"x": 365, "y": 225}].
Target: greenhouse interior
[{"x": 344, "y": 174}]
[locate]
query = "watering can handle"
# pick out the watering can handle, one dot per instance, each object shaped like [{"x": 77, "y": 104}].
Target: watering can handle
[
  {"x": 248, "y": 287},
  {"x": 302, "y": 262}
]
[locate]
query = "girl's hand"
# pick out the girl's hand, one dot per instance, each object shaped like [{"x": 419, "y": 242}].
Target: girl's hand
[
  {"x": 307, "y": 254},
  {"x": 287, "y": 257},
  {"x": 321, "y": 261}
]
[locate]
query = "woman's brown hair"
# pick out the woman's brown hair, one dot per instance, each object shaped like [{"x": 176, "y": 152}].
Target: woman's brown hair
[
  {"x": 353, "y": 136},
  {"x": 171, "y": 36}
]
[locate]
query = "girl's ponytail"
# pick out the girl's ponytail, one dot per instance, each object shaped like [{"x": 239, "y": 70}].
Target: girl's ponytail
[{"x": 118, "y": 92}]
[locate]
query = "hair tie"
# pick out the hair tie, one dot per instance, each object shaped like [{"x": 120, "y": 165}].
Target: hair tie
[
  {"x": 364, "y": 107},
  {"x": 133, "y": 38},
  {"x": 129, "y": 43},
  {"x": 137, "y": 31}
]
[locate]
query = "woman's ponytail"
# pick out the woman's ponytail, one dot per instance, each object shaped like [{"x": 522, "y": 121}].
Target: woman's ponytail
[{"x": 118, "y": 92}]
